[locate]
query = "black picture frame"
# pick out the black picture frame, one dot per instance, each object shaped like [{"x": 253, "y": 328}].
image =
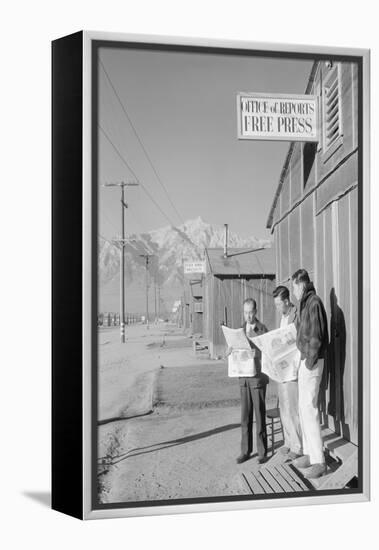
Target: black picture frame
[{"x": 75, "y": 283}]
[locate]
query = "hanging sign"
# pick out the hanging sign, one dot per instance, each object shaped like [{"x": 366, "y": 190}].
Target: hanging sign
[
  {"x": 194, "y": 267},
  {"x": 278, "y": 117}
]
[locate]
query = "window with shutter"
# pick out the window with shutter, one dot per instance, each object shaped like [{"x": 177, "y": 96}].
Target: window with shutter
[{"x": 332, "y": 123}]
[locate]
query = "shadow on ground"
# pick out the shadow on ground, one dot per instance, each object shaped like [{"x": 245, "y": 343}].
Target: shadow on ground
[
  {"x": 41, "y": 497},
  {"x": 173, "y": 443}
]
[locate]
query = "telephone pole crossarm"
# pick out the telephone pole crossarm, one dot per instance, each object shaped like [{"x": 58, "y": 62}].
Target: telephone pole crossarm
[{"x": 121, "y": 244}]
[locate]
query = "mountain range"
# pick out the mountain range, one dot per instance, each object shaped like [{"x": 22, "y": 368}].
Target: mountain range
[{"x": 167, "y": 248}]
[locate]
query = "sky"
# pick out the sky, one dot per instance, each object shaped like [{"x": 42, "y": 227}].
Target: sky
[{"x": 182, "y": 105}]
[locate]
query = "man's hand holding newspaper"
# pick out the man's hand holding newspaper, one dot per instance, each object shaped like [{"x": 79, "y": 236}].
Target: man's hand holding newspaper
[
  {"x": 280, "y": 356},
  {"x": 239, "y": 353}
]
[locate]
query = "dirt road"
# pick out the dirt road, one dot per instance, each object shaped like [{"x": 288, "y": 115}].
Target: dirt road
[{"x": 186, "y": 447}]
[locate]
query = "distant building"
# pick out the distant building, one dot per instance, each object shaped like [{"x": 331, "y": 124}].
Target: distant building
[
  {"x": 196, "y": 306},
  {"x": 314, "y": 221},
  {"x": 228, "y": 281}
]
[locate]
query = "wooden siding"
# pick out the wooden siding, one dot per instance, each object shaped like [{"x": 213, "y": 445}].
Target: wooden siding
[
  {"x": 294, "y": 242},
  {"x": 296, "y": 174},
  {"x": 339, "y": 182},
  {"x": 284, "y": 249},
  {"x": 223, "y": 299},
  {"x": 318, "y": 230},
  {"x": 307, "y": 235},
  {"x": 352, "y": 339},
  {"x": 326, "y": 162},
  {"x": 285, "y": 203}
]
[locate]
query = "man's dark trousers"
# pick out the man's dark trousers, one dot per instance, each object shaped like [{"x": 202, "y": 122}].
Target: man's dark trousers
[{"x": 253, "y": 401}]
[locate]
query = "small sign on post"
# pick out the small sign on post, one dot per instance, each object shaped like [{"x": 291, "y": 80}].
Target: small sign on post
[
  {"x": 278, "y": 117},
  {"x": 194, "y": 267}
]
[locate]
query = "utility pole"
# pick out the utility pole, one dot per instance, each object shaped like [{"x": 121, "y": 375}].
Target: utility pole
[
  {"x": 121, "y": 244},
  {"x": 147, "y": 257},
  {"x": 155, "y": 299},
  {"x": 159, "y": 301},
  {"x": 226, "y": 241}
]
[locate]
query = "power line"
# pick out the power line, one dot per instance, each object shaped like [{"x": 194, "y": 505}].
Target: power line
[
  {"x": 144, "y": 188},
  {"x": 109, "y": 221},
  {"x": 140, "y": 141},
  {"x": 134, "y": 174}
]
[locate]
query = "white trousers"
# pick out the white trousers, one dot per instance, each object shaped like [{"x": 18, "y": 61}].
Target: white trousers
[
  {"x": 288, "y": 393},
  {"x": 309, "y": 384}
]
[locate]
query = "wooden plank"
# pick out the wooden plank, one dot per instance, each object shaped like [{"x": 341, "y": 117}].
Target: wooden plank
[
  {"x": 296, "y": 174},
  {"x": 285, "y": 194},
  {"x": 347, "y": 106},
  {"x": 341, "y": 449},
  {"x": 338, "y": 182},
  {"x": 295, "y": 477},
  {"x": 307, "y": 230},
  {"x": 329, "y": 290},
  {"x": 329, "y": 436},
  {"x": 256, "y": 488},
  {"x": 353, "y": 197},
  {"x": 278, "y": 241},
  {"x": 284, "y": 249},
  {"x": 319, "y": 481},
  {"x": 295, "y": 486},
  {"x": 294, "y": 241},
  {"x": 281, "y": 479},
  {"x": 267, "y": 487},
  {"x": 343, "y": 321},
  {"x": 267, "y": 475},
  {"x": 354, "y": 71},
  {"x": 244, "y": 487},
  {"x": 337, "y": 446},
  {"x": 343, "y": 475}
]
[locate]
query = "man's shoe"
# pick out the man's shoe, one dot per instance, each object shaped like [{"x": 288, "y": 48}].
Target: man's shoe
[
  {"x": 242, "y": 458},
  {"x": 302, "y": 462},
  {"x": 284, "y": 450},
  {"x": 292, "y": 455},
  {"x": 316, "y": 470},
  {"x": 262, "y": 459}
]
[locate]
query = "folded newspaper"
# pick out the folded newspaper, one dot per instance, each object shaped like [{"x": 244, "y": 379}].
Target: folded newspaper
[
  {"x": 241, "y": 360},
  {"x": 280, "y": 356}
]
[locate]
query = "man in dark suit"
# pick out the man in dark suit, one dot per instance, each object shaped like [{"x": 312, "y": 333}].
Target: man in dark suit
[{"x": 253, "y": 391}]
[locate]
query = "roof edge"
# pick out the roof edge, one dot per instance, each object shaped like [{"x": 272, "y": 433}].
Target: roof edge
[{"x": 289, "y": 154}]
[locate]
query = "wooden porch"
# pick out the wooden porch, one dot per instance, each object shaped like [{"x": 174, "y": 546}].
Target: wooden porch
[{"x": 279, "y": 475}]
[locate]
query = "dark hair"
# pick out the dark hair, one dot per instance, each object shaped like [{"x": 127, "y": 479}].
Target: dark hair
[
  {"x": 301, "y": 276},
  {"x": 250, "y": 301},
  {"x": 282, "y": 292}
]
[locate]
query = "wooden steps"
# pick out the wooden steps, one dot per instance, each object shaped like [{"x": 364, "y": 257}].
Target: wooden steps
[
  {"x": 345, "y": 455},
  {"x": 279, "y": 475},
  {"x": 275, "y": 478}
]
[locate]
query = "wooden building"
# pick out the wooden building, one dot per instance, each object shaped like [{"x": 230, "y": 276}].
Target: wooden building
[
  {"x": 314, "y": 221},
  {"x": 228, "y": 281},
  {"x": 185, "y": 307},
  {"x": 196, "y": 306}
]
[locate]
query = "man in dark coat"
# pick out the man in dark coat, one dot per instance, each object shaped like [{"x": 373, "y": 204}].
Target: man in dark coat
[
  {"x": 253, "y": 391},
  {"x": 312, "y": 341}
]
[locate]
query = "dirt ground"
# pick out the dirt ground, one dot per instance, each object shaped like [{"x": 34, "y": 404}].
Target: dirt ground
[{"x": 169, "y": 423}]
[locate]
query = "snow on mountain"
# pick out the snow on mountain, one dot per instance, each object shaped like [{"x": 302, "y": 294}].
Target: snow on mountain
[{"x": 169, "y": 247}]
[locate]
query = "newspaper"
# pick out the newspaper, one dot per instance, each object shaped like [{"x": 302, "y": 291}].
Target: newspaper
[
  {"x": 241, "y": 360},
  {"x": 280, "y": 356}
]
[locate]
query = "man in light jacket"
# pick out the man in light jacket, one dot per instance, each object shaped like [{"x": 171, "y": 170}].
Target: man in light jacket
[
  {"x": 312, "y": 341},
  {"x": 288, "y": 391}
]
